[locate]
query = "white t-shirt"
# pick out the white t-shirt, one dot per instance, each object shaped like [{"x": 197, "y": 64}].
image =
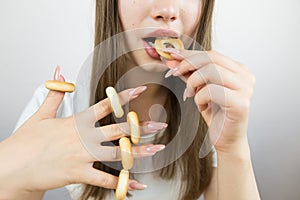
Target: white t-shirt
[{"x": 157, "y": 187}]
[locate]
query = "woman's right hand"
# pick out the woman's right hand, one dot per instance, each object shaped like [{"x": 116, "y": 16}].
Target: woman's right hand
[{"x": 48, "y": 152}]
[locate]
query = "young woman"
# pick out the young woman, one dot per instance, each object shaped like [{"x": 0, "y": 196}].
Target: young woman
[{"x": 187, "y": 177}]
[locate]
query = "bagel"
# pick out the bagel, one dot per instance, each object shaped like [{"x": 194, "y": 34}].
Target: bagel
[
  {"x": 123, "y": 184},
  {"x": 126, "y": 153},
  {"x": 162, "y": 43},
  {"x": 59, "y": 86},
  {"x": 115, "y": 101},
  {"x": 133, "y": 121}
]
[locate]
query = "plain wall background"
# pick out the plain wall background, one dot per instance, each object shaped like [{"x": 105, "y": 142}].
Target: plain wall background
[{"x": 36, "y": 35}]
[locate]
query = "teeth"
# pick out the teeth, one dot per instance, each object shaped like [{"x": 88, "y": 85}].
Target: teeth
[{"x": 151, "y": 44}]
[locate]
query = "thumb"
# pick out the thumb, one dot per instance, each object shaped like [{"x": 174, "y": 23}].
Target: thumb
[{"x": 53, "y": 100}]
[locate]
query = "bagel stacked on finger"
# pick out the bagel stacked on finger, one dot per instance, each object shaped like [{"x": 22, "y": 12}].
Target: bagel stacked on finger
[
  {"x": 124, "y": 142},
  {"x": 59, "y": 86}
]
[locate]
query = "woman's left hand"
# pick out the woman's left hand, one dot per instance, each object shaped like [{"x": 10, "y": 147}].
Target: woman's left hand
[{"x": 222, "y": 89}]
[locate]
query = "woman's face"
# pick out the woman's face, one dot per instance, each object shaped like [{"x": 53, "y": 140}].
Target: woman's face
[{"x": 157, "y": 19}]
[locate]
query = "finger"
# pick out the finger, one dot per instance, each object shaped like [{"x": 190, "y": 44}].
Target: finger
[
  {"x": 99, "y": 178},
  {"x": 173, "y": 66},
  {"x": 212, "y": 93},
  {"x": 224, "y": 98},
  {"x": 53, "y": 100},
  {"x": 113, "y": 153},
  {"x": 92, "y": 176},
  {"x": 179, "y": 54},
  {"x": 213, "y": 74},
  {"x": 115, "y": 131},
  {"x": 103, "y": 108},
  {"x": 196, "y": 59}
]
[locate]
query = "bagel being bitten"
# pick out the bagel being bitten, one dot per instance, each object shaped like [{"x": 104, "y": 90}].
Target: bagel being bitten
[{"x": 162, "y": 43}]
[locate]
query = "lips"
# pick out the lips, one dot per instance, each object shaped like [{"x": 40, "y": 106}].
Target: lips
[{"x": 150, "y": 38}]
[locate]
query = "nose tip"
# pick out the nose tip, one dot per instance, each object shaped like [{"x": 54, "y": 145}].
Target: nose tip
[{"x": 165, "y": 12}]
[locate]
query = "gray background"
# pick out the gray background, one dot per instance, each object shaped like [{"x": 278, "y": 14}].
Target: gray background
[{"x": 36, "y": 35}]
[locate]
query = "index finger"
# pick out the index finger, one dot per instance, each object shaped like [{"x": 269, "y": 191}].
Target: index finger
[
  {"x": 103, "y": 108},
  {"x": 99, "y": 178}
]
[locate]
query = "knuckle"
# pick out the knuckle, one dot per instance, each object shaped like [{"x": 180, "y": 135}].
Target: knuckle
[
  {"x": 105, "y": 104},
  {"x": 212, "y": 54},
  {"x": 73, "y": 175},
  {"x": 115, "y": 153},
  {"x": 251, "y": 91},
  {"x": 211, "y": 69},
  {"x": 189, "y": 81},
  {"x": 244, "y": 66},
  {"x": 244, "y": 105},
  {"x": 105, "y": 181},
  {"x": 115, "y": 129}
]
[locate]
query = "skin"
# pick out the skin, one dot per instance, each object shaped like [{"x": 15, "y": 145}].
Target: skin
[{"x": 212, "y": 79}]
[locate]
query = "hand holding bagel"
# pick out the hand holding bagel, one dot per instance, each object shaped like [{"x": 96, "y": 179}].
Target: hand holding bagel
[
  {"x": 222, "y": 89},
  {"x": 47, "y": 147}
]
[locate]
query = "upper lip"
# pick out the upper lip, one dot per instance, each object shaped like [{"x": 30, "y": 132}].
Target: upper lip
[{"x": 163, "y": 33}]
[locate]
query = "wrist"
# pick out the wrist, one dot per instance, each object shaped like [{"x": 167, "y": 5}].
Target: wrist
[{"x": 238, "y": 150}]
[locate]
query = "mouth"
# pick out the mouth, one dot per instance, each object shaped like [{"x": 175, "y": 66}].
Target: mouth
[{"x": 150, "y": 38}]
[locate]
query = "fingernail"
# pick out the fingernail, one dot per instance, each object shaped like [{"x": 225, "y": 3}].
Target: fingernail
[
  {"x": 184, "y": 94},
  {"x": 171, "y": 72},
  {"x": 134, "y": 185},
  {"x": 57, "y": 73},
  {"x": 170, "y": 50},
  {"x": 155, "y": 126},
  {"x": 137, "y": 91},
  {"x": 163, "y": 59},
  {"x": 187, "y": 93},
  {"x": 155, "y": 148},
  {"x": 177, "y": 56}
]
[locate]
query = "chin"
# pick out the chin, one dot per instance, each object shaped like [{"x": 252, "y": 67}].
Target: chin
[
  {"x": 154, "y": 68},
  {"x": 148, "y": 63}
]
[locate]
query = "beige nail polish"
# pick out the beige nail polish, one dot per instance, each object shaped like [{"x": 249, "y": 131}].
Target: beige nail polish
[
  {"x": 171, "y": 72},
  {"x": 137, "y": 91}
]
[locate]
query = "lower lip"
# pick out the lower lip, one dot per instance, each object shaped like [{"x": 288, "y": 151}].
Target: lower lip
[{"x": 151, "y": 51}]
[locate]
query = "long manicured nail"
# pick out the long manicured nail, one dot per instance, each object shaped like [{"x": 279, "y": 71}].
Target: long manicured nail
[
  {"x": 171, "y": 72},
  {"x": 171, "y": 50},
  {"x": 177, "y": 56},
  {"x": 184, "y": 94},
  {"x": 137, "y": 91},
  {"x": 57, "y": 73},
  {"x": 187, "y": 93},
  {"x": 163, "y": 59},
  {"x": 155, "y": 126},
  {"x": 134, "y": 185},
  {"x": 155, "y": 148}
]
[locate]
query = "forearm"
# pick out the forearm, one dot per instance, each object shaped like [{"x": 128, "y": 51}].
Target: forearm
[{"x": 234, "y": 177}]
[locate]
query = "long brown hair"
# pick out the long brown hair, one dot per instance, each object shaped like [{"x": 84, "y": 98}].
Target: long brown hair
[{"x": 196, "y": 175}]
